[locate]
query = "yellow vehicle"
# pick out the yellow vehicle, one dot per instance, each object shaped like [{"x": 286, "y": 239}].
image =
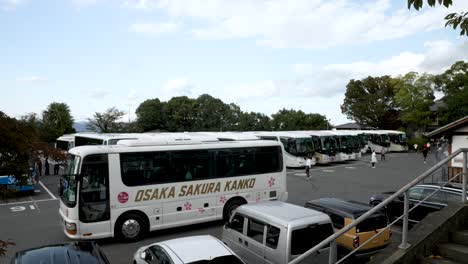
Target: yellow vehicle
[{"x": 342, "y": 213}]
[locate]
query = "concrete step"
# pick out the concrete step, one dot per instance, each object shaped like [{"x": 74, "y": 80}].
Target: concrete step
[
  {"x": 454, "y": 252},
  {"x": 460, "y": 237},
  {"x": 438, "y": 260}
]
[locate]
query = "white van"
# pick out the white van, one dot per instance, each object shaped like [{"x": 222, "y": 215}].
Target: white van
[{"x": 277, "y": 232}]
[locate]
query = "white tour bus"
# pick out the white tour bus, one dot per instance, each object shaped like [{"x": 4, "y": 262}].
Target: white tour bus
[
  {"x": 327, "y": 147},
  {"x": 88, "y": 139},
  {"x": 349, "y": 145},
  {"x": 297, "y": 146},
  {"x": 137, "y": 186},
  {"x": 65, "y": 142},
  {"x": 377, "y": 140},
  {"x": 398, "y": 140}
]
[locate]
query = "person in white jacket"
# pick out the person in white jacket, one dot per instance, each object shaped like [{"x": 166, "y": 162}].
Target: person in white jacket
[{"x": 373, "y": 159}]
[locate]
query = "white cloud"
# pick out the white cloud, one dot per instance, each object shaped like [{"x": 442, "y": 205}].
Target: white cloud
[
  {"x": 97, "y": 93},
  {"x": 175, "y": 87},
  {"x": 31, "y": 79},
  {"x": 10, "y": 4},
  {"x": 306, "y": 23},
  {"x": 83, "y": 3},
  {"x": 155, "y": 28},
  {"x": 141, "y": 4}
]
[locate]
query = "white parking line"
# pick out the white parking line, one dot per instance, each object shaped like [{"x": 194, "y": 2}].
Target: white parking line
[
  {"x": 34, "y": 201},
  {"x": 51, "y": 194}
]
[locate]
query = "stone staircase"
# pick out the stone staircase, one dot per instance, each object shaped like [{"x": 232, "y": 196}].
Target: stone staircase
[{"x": 453, "y": 252}]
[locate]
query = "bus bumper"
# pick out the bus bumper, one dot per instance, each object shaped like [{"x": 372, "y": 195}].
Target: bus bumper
[{"x": 70, "y": 227}]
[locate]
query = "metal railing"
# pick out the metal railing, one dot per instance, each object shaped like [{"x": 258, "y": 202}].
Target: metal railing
[{"x": 331, "y": 240}]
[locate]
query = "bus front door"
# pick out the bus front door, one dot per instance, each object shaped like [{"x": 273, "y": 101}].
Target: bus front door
[{"x": 94, "y": 210}]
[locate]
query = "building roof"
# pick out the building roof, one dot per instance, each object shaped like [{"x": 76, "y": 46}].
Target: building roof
[
  {"x": 353, "y": 126},
  {"x": 450, "y": 127}
]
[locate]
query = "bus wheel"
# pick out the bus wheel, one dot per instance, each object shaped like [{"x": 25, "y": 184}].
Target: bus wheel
[
  {"x": 230, "y": 207},
  {"x": 131, "y": 227}
]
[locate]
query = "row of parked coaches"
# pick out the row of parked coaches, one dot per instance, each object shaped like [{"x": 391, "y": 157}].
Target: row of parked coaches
[{"x": 267, "y": 232}]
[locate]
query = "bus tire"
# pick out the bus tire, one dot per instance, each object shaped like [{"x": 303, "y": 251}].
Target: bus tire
[
  {"x": 230, "y": 206},
  {"x": 131, "y": 227}
]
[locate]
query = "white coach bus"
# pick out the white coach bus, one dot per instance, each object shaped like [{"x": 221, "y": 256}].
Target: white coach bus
[
  {"x": 65, "y": 142},
  {"x": 398, "y": 140},
  {"x": 298, "y": 146},
  {"x": 137, "y": 186}
]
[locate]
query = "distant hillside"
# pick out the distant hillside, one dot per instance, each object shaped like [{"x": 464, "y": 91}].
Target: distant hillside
[{"x": 80, "y": 126}]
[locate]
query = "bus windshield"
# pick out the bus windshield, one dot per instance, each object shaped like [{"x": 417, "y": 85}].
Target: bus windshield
[
  {"x": 304, "y": 146},
  {"x": 68, "y": 182},
  {"x": 329, "y": 143}
]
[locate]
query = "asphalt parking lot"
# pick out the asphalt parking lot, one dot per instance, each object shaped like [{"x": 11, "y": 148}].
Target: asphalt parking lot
[{"x": 33, "y": 220}]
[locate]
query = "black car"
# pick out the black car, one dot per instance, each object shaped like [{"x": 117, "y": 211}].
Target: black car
[
  {"x": 72, "y": 253},
  {"x": 439, "y": 200}
]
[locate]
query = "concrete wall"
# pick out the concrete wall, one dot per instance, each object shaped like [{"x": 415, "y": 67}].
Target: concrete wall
[{"x": 435, "y": 228}]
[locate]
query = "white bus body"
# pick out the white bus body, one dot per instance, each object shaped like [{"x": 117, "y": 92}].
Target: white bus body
[
  {"x": 378, "y": 140},
  {"x": 327, "y": 151},
  {"x": 129, "y": 189},
  {"x": 65, "y": 142},
  {"x": 349, "y": 144},
  {"x": 297, "y": 146},
  {"x": 398, "y": 140}
]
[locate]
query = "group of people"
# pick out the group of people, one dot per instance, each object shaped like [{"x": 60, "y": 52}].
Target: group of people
[{"x": 38, "y": 167}]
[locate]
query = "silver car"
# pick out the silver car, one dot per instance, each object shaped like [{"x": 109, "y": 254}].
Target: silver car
[{"x": 195, "y": 250}]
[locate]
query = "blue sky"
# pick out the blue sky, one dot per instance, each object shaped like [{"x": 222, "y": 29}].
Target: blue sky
[{"x": 261, "y": 55}]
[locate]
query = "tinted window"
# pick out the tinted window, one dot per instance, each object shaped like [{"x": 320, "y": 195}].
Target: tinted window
[
  {"x": 84, "y": 141},
  {"x": 437, "y": 197},
  {"x": 416, "y": 193},
  {"x": 159, "y": 256},
  {"x": 142, "y": 168},
  {"x": 372, "y": 223},
  {"x": 273, "y": 234},
  {"x": 306, "y": 238},
  {"x": 338, "y": 221},
  {"x": 237, "y": 223},
  {"x": 255, "y": 230}
]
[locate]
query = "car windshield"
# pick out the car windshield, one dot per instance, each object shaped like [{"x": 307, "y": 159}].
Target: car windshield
[
  {"x": 228, "y": 259},
  {"x": 372, "y": 223},
  {"x": 306, "y": 238},
  {"x": 68, "y": 181}
]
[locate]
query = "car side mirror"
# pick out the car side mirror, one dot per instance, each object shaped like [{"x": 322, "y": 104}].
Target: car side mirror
[{"x": 145, "y": 255}]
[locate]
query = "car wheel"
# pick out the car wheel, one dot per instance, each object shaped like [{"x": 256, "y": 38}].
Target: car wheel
[
  {"x": 131, "y": 228},
  {"x": 230, "y": 207}
]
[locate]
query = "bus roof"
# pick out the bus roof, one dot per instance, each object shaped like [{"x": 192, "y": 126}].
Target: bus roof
[
  {"x": 284, "y": 134},
  {"x": 122, "y": 147},
  {"x": 224, "y": 136}
]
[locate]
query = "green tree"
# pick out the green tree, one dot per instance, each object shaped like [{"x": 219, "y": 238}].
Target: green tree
[
  {"x": 370, "y": 102},
  {"x": 16, "y": 145},
  {"x": 151, "y": 115},
  {"x": 56, "y": 121},
  {"x": 212, "y": 114},
  {"x": 454, "y": 20},
  {"x": 414, "y": 95},
  {"x": 454, "y": 85},
  {"x": 297, "y": 120},
  {"x": 106, "y": 122},
  {"x": 181, "y": 114},
  {"x": 253, "y": 122}
]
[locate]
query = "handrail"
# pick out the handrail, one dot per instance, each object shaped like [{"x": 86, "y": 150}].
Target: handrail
[{"x": 384, "y": 203}]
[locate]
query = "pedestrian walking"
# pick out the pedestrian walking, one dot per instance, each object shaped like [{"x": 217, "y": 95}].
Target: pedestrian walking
[
  {"x": 307, "y": 168},
  {"x": 39, "y": 166},
  {"x": 56, "y": 168},
  {"x": 415, "y": 147},
  {"x": 47, "y": 167},
  {"x": 425, "y": 150},
  {"x": 382, "y": 154},
  {"x": 373, "y": 159}
]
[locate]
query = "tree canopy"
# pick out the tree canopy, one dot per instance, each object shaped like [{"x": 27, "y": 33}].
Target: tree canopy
[
  {"x": 453, "y": 19},
  {"x": 106, "y": 122},
  {"x": 413, "y": 96},
  {"x": 370, "y": 102},
  {"x": 56, "y": 121}
]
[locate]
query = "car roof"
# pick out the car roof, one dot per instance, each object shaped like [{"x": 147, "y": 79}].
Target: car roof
[
  {"x": 455, "y": 187},
  {"x": 72, "y": 253},
  {"x": 351, "y": 208},
  {"x": 284, "y": 214},
  {"x": 196, "y": 248}
]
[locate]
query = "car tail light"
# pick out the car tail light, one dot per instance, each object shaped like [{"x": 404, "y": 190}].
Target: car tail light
[{"x": 356, "y": 242}]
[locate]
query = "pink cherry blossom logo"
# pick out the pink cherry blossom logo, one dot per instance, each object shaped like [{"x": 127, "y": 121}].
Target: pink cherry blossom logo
[
  {"x": 222, "y": 199},
  {"x": 257, "y": 199},
  {"x": 188, "y": 206},
  {"x": 201, "y": 210},
  {"x": 271, "y": 182}
]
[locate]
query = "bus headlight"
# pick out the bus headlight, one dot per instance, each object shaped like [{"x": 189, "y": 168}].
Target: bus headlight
[{"x": 70, "y": 228}]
